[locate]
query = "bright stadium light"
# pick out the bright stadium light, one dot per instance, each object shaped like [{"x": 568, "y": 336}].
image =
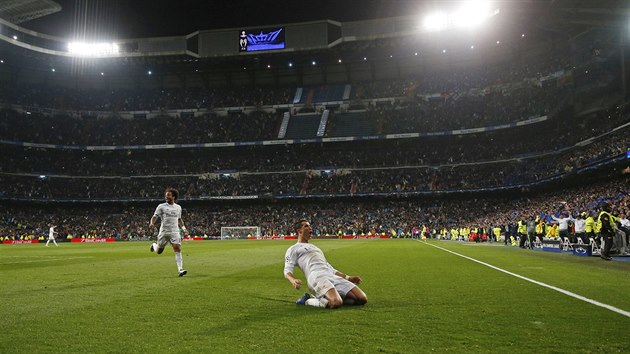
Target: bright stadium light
[
  {"x": 472, "y": 14},
  {"x": 92, "y": 49},
  {"x": 435, "y": 22}
]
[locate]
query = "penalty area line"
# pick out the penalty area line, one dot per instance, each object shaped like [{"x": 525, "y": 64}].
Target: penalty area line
[{"x": 566, "y": 292}]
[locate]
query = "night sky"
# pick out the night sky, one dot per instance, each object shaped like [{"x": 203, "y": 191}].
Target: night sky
[{"x": 110, "y": 19}]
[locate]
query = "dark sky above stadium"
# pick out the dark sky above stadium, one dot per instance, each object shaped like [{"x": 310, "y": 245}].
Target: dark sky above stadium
[{"x": 140, "y": 18}]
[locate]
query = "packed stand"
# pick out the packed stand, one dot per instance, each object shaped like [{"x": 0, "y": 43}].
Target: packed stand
[{"x": 396, "y": 218}]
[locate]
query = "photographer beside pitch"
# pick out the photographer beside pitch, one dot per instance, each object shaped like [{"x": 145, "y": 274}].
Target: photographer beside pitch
[
  {"x": 171, "y": 215},
  {"x": 331, "y": 287}
]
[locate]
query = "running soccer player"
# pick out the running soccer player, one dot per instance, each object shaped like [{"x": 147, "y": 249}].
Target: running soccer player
[
  {"x": 171, "y": 215},
  {"x": 331, "y": 287}
]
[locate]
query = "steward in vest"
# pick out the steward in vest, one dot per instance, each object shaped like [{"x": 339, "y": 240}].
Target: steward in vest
[{"x": 607, "y": 227}]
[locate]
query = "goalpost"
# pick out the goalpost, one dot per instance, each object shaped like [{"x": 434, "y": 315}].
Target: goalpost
[{"x": 240, "y": 232}]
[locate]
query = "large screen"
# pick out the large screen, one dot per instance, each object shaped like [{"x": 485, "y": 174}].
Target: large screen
[{"x": 261, "y": 39}]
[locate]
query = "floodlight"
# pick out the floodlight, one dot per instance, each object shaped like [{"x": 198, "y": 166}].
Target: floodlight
[
  {"x": 472, "y": 13},
  {"x": 314, "y": 62},
  {"x": 92, "y": 49},
  {"x": 435, "y": 22},
  {"x": 290, "y": 65},
  {"x": 15, "y": 37},
  {"x": 149, "y": 72}
]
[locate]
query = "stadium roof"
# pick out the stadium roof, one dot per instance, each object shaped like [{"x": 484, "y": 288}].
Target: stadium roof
[
  {"x": 159, "y": 18},
  {"x": 18, "y": 11},
  {"x": 192, "y": 30}
]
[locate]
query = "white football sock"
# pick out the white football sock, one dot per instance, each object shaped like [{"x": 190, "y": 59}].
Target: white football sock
[
  {"x": 316, "y": 302},
  {"x": 178, "y": 260}
]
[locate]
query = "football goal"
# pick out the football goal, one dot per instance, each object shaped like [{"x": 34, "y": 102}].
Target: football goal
[{"x": 240, "y": 232}]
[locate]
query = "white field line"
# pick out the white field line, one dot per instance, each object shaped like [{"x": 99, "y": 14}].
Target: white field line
[
  {"x": 50, "y": 259},
  {"x": 566, "y": 292}
]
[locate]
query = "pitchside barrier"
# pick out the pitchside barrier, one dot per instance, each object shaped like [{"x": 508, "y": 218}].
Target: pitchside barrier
[
  {"x": 197, "y": 238},
  {"x": 620, "y": 248}
]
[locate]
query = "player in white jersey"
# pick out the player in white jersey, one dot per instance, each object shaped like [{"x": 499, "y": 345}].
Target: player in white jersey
[
  {"x": 51, "y": 235},
  {"x": 331, "y": 287},
  {"x": 171, "y": 215}
]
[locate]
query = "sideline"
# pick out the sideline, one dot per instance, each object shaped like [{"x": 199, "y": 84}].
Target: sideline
[
  {"x": 48, "y": 259},
  {"x": 566, "y": 292}
]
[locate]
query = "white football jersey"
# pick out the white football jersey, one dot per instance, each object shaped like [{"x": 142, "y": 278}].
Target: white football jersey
[
  {"x": 169, "y": 214},
  {"x": 308, "y": 257}
]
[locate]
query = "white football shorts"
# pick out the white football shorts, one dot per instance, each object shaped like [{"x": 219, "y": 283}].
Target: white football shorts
[
  {"x": 320, "y": 283},
  {"x": 173, "y": 239}
]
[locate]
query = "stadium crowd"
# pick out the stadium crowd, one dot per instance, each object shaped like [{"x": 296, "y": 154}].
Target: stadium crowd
[
  {"x": 475, "y": 98},
  {"x": 123, "y": 100},
  {"x": 478, "y": 97},
  {"x": 396, "y": 218},
  {"x": 393, "y": 178},
  {"x": 438, "y": 163}
]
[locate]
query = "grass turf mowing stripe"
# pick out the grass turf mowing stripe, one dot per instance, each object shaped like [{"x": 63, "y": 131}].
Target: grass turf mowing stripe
[{"x": 566, "y": 292}]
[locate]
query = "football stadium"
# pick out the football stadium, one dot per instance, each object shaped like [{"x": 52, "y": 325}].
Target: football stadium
[{"x": 403, "y": 176}]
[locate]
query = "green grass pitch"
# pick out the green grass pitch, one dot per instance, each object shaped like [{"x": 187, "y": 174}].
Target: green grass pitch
[{"x": 120, "y": 298}]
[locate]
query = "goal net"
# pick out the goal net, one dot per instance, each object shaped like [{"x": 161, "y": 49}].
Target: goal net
[{"x": 240, "y": 232}]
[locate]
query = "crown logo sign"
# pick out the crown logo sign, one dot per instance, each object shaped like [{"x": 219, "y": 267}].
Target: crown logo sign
[{"x": 263, "y": 38}]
